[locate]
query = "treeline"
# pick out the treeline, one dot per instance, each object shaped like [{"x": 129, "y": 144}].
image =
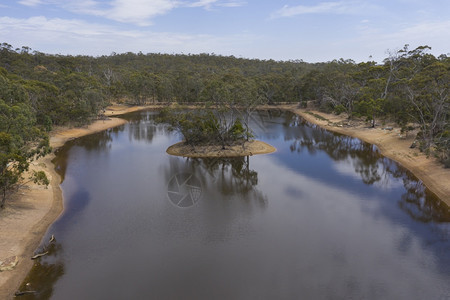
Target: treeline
[
  {"x": 410, "y": 87},
  {"x": 74, "y": 88}
]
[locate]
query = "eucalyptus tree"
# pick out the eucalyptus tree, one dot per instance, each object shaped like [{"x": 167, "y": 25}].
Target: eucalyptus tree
[
  {"x": 342, "y": 93},
  {"x": 428, "y": 91},
  {"x": 371, "y": 96},
  {"x": 251, "y": 96},
  {"x": 220, "y": 96},
  {"x": 21, "y": 140}
]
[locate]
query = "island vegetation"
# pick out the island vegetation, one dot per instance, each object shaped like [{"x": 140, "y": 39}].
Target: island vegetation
[
  {"x": 214, "y": 131},
  {"x": 39, "y": 91}
]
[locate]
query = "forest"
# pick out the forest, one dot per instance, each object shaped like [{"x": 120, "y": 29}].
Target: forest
[{"x": 39, "y": 91}]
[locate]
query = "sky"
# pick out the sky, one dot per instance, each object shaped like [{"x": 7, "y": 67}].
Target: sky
[{"x": 312, "y": 31}]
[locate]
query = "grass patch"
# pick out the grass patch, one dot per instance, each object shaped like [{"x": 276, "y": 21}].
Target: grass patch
[{"x": 316, "y": 116}]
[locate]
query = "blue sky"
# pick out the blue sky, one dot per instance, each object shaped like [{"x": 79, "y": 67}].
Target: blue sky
[{"x": 312, "y": 31}]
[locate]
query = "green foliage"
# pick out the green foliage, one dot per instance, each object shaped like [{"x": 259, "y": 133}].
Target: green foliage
[
  {"x": 20, "y": 139},
  {"x": 339, "y": 109},
  {"x": 442, "y": 150},
  {"x": 237, "y": 131},
  {"x": 39, "y": 177},
  {"x": 196, "y": 128},
  {"x": 203, "y": 127}
]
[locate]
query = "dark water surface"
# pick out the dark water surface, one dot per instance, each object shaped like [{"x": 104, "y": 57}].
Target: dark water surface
[{"x": 325, "y": 217}]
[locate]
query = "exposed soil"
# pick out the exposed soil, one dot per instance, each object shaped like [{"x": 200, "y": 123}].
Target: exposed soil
[{"x": 246, "y": 149}]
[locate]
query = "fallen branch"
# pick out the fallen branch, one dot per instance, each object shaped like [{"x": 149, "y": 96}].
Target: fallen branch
[
  {"x": 23, "y": 293},
  {"x": 39, "y": 255}
]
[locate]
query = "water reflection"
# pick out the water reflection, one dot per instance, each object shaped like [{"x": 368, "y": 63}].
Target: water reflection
[
  {"x": 45, "y": 273},
  {"x": 365, "y": 158},
  {"x": 142, "y": 126},
  {"x": 74, "y": 206},
  {"x": 146, "y": 131},
  {"x": 421, "y": 204},
  {"x": 98, "y": 142},
  {"x": 229, "y": 176},
  {"x": 369, "y": 164}
]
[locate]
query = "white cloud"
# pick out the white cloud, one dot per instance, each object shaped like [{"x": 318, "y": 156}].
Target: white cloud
[
  {"x": 374, "y": 39},
  {"x": 429, "y": 33},
  {"x": 80, "y": 37},
  {"x": 202, "y": 3},
  {"x": 49, "y": 29},
  {"x": 208, "y": 4},
  {"x": 289, "y": 11},
  {"x": 30, "y": 2},
  {"x": 138, "y": 12},
  {"x": 232, "y": 4},
  {"x": 369, "y": 34},
  {"x": 338, "y": 7}
]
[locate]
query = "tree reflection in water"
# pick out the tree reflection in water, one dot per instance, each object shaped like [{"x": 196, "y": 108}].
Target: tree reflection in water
[
  {"x": 142, "y": 126},
  {"x": 372, "y": 167},
  {"x": 146, "y": 130},
  {"x": 45, "y": 273},
  {"x": 420, "y": 203},
  {"x": 229, "y": 176},
  {"x": 98, "y": 142}
]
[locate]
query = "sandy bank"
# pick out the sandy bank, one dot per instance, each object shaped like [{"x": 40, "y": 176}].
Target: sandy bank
[
  {"x": 248, "y": 149},
  {"x": 61, "y": 135},
  {"x": 29, "y": 213},
  {"x": 391, "y": 144},
  {"x": 24, "y": 221},
  {"x": 118, "y": 109}
]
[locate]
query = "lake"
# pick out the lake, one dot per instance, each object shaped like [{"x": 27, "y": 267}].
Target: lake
[{"x": 324, "y": 217}]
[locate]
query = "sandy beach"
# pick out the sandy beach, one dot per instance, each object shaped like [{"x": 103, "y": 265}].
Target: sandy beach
[{"x": 34, "y": 208}]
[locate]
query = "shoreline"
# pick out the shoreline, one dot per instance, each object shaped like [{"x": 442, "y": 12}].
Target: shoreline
[
  {"x": 27, "y": 216},
  {"x": 33, "y": 209},
  {"x": 391, "y": 145},
  {"x": 248, "y": 149},
  {"x": 30, "y": 212}
]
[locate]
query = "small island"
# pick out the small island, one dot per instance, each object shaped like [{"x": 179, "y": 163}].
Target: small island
[
  {"x": 246, "y": 149},
  {"x": 213, "y": 134}
]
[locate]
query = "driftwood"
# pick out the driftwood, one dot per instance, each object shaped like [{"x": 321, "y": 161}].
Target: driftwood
[
  {"x": 39, "y": 255},
  {"x": 52, "y": 239},
  {"x": 23, "y": 293}
]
